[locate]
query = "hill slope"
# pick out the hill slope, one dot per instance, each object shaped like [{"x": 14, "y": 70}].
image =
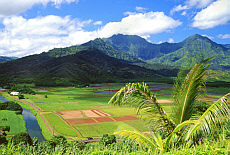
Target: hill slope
[
  {"x": 197, "y": 47},
  {"x": 139, "y": 47},
  {"x": 89, "y": 65}
]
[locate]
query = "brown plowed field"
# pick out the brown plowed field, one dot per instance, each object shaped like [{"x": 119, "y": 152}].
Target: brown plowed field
[
  {"x": 90, "y": 113},
  {"x": 71, "y": 114},
  {"x": 101, "y": 120},
  {"x": 82, "y": 114},
  {"x": 105, "y": 119},
  {"x": 81, "y": 121}
]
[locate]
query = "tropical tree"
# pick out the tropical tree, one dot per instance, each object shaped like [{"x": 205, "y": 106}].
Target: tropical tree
[{"x": 181, "y": 126}]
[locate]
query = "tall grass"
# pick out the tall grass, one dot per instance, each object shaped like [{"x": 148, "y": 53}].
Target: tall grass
[{"x": 220, "y": 146}]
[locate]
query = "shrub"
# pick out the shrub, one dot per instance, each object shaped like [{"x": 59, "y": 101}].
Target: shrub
[
  {"x": 57, "y": 140},
  {"x": 3, "y": 140},
  {"x": 107, "y": 139},
  {"x": 78, "y": 144},
  {"x": 11, "y": 106},
  {"x": 23, "y": 138},
  {"x": 20, "y": 96},
  {"x": 200, "y": 107}
]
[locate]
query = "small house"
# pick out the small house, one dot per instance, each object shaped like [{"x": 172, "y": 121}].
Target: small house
[{"x": 14, "y": 93}]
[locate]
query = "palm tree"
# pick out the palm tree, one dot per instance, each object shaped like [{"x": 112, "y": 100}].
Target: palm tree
[{"x": 180, "y": 126}]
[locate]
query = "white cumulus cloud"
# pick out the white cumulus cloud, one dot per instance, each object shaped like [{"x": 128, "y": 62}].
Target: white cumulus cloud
[
  {"x": 210, "y": 37},
  {"x": 217, "y": 13},
  {"x": 141, "y": 24},
  {"x": 21, "y": 36},
  {"x": 224, "y": 36},
  {"x": 140, "y": 9},
  {"x": 97, "y": 23},
  {"x": 12, "y": 7},
  {"x": 198, "y": 3},
  {"x": 178, "y": 8},
  {"x": 170, "y": 40}
]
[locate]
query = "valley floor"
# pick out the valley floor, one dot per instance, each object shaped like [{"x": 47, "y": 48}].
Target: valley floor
[{"x": 83, "y": 112}]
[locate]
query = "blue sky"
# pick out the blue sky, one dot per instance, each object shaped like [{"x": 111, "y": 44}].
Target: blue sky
[{"x": 33, "y": 26}]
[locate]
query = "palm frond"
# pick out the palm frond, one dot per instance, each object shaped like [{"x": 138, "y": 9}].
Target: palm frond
[
  {"x": 187, "y": 91},
  {"x": 140, "y": 96},
  {"x": 217, "y": 113},
  {"x": 143, "y": 140}
]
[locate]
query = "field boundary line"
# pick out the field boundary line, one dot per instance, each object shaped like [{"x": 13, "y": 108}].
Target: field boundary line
[{"x": 76, "y": 130}]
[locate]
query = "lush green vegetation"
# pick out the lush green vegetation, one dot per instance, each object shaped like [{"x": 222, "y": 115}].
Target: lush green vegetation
[
  {"x": 87, "y": 66},
  {"x": 98, "y": 129},
  {"x": 183, "y": 126},
  {"x": 14, "y": 121},
  {"x": 58, "y": 145},
  {"x": 59, "y": 126},
  {"x": 195, "y": 48}
]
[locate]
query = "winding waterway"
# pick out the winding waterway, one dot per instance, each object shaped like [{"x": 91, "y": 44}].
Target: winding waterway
[{"x": 33, "y": 129}]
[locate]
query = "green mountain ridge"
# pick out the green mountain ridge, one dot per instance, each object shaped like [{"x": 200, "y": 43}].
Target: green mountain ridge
[
  {"x": 189, "y": 50},
  {"x": 194, "y": 48},
  {"x": 4, "y": 58},
  {"x": 86, "y": 66},
  {"x": 139, "y": 47}
]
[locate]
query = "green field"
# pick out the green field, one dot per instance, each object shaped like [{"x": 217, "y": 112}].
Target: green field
[
  {"x": 60, "y": 126},
  {"x": 98, "y": 129},
  {"x": 50, "y": 100},
  {"x": 15, "y": 121}
]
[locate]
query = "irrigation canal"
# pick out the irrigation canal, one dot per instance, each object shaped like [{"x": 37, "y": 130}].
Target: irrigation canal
[{"x": 33, "y": 129}]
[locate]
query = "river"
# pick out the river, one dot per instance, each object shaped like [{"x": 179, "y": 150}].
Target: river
[{"x": 33, "y": 129}]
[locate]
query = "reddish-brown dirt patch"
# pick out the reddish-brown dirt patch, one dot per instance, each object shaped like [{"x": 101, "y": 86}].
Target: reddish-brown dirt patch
[
  {"x": 101, "y": 119},
  {"x": 71, "y": 114},
  {"x": 90, "y": 113},
  {"x": 81, "y": 121},
  {"x": 105, "y": 119},
  {"x": 125, "y": 118},
  {"x": 82, "y": 114},
  {"x": 102, "y": 113}
]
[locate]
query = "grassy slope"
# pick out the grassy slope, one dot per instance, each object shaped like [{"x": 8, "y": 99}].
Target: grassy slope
[
  {"x": 98, "y": 129},
  {"x": 16, "y": 122},
  {"x": 60, "y": 126}
]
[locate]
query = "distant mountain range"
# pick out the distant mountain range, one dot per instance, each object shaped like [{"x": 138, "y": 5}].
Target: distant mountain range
[
  {"x": 4, "y": 59},
  {"x": 118, "y": 58},
  {"x": 190, "y": 50}
]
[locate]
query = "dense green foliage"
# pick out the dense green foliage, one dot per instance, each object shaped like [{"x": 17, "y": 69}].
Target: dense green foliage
[
  {"x": 194, "y": 49},
  {"x": 21, "y": 138},
  {"x": 180, "y": 127},
  {"x": 107, "y": 139},
  {"x": 13, "y": 121},
  {"x": 221, "y": 146},
  {"x": 22, "y": 90},
  {"x": 110, "y": 50},
  {"x": 89, "y": 66},
  {"x": 11, "y": 106},
  {"x": 139, "y": 47}
]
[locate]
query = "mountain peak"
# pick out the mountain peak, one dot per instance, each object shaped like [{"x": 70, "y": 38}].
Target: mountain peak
[
  {"x": 195, "y": 37},
  {"x": 123, "y": 37}
]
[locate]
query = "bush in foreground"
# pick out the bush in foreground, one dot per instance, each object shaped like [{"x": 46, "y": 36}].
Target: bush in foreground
[{"x": 22, "y": 138}]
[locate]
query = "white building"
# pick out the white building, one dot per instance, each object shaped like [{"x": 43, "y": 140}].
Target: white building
[{"x": 14, "y": 93}]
